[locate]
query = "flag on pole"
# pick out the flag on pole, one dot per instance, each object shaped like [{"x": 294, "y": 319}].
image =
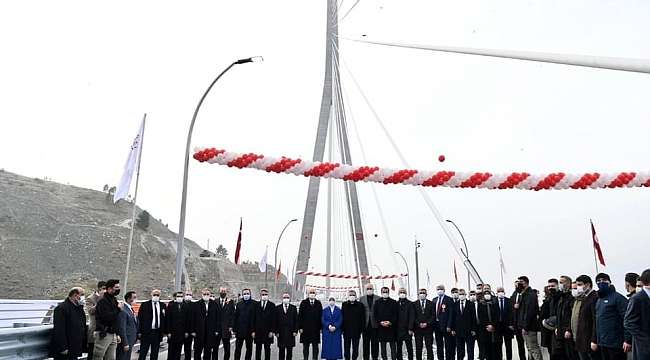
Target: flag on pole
[
  {"x": 596, "y": 242},
  {"x": 455, "y": 273},
  {"x": 501, "y": 263},
  {"x": 238, "y": 248},
  {"x": 392, "y": 285},
  {"x": 122, "y": 189},
  {"x": 278, "y": 271},
  {"x": 263, "y": 261}
]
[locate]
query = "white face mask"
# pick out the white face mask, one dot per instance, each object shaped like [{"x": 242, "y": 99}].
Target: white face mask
[
  {"x": 352, "y": 298},
  {"x": 246, "y": 296},
  {"x": 179, "y": 299},
  {"x": 384, "y": 295},
  {"x": 312, "y": 296},
  {"x": 82, "y": 300},
  {"x": 370, "y": 292},
  {"x": 332, "y": 303},
  {"x": 574, "y": 292},
  {"x": 423, "y": 296},
  {"x": 206, "y": 297},
  {"x": 188, "y": 297},
  {"x": 581, "y": 290},
  {"x": 560, "y": 287},
  {"x": 454, "y": 295},
  {"x": 487, "y": 297},
  {"x": 286, "y": 300},
  {"x": 440, "y": 292},
  {"x": 639, "y": 288},
  {"x": 501, "y": 295},
  {"x": 155, "y": 298},
  {"x": 402, "y": 296},
  {"x": 463, "y": 297},
  {"x": 472, "y": 298},
  {"x": 265, "y": 297}
]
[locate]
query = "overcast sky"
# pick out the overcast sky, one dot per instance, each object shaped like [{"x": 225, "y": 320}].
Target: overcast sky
[{"x": 76, "y": 77}]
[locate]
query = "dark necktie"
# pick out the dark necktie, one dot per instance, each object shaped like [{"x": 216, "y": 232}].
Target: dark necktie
[
  {"x": 155, "y": 311},
  {"x": 285, "y": 309},
  {"x": 462, "y": 306},
  {"x": 438, "y": 307},
  {"x": 311, "y": 302},
  {"x": 500, "y": 309}
]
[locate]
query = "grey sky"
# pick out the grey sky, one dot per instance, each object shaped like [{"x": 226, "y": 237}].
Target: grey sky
[{"x": 77, "y": 76}]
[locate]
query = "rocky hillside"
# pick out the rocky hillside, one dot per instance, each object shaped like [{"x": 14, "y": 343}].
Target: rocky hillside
[{"x": 55, "y": 236}]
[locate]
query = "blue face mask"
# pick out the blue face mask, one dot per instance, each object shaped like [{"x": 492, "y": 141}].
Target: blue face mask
[{"x": 603, "y": 286}]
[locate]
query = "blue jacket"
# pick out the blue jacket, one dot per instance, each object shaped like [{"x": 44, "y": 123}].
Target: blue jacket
[
  {"x": 610, "y": 312},
  {"x": 332, "y": 344},
  {"x": 443, "y": 315},
  {"x": 128, "y": 329}
]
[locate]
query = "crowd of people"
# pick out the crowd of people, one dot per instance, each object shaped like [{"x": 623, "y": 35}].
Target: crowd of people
[{"x": 576, "y": 320}]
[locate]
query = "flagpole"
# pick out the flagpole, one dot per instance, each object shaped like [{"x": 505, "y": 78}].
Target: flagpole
[
  {"x": 591, "y": 223},
  {"x": 135, "y": 197},
  {"x": 501, "y": 265}
]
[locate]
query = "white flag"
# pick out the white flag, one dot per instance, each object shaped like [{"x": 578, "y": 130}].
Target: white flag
[
  {"x": 503, "y": 266},
  {"x": 263, "y": 261},
  {"x": 122, "y": 190}
]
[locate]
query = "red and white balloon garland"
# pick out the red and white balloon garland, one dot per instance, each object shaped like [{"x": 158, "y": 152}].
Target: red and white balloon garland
[{"x": 453, "y": 179}]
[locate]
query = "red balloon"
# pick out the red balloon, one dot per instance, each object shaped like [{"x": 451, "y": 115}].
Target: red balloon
[{"x": 441, "y": 158}]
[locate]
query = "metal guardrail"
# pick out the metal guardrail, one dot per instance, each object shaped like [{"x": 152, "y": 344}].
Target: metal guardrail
[
  {"x": 28, "y": 343},
  {"x": 26, "y": 311}
]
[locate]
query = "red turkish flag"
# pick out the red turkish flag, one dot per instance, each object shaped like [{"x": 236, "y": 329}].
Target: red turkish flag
[
  {"x": 596, "y": 243},
  {"x": 392, "y": 285},
  {"x": 238, "y": 248}
]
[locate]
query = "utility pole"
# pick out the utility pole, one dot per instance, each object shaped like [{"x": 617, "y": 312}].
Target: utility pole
[{"x": 417, "y": 265}]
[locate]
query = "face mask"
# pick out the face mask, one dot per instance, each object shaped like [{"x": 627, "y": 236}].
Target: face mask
[
  {"x": 265, "y": 297},
  {"x": 285, "y": 300},
  {"x": 155, "y": 298},
  {"x": 487, "y": 297},
  {"x": 603, "y": 286},
  {"x": 212, "y": 298},
  {"x": 472, "y": 298},
  {"x": 384, "y": 295},
  {"x": 188, "y": 297},
  {"x": 440, "y": 292},
  {"x": 501, "y": 295},
  {"x": 639, "y": 288},
  {"x": 82, "y": 300},
  {"x": 454, "y": 295},
  {"x": 402, "y": 296},
  {"x": 206, "y": 297},
  {"x": 179, "y": 299},
  {"x": 332, "y": 303},
  {"x": 246, "y": 297},
  {"x": 581, "y": 290},
  {"x": 312, "y": 296},
  {"x": 574, "y": 292},
  {"x": 423, "y": 296},
  {"x": 116, "y": 292},
  {"x": 222, "y": 295},
  {"x": 561, "y": 287},
  {"x": 352, "y": 298},
  {"x": 520, "y": 287},
  {"x": 370, "y": 292},
  {"x": 552, "y": 290},
  {"x": 463, "y": 297}
]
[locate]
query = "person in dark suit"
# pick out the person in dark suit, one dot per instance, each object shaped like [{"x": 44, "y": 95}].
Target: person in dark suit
[
  {"x": 505, "y": 329},
  {"x": 178, "y": 325},
  {"x": 385, "y": 313},
  {"x": 637, "y": 320},
  {"x": 488, "y": 315},
  {"x": 515, "y": 299},
  {"x": 354, "y": 316},
  {"x": 263, "y": 325},
  {"x": 187, "y": 343},
  {"x": 309, "y": 324},
  {"x": 464, "y": 326},
  {"x": 443, "y": 307},
  {"x": 405, "y": 324},
  {"x": 128, "y": 328},
  {"x": 151, "y": 322},
  {"x": 286, "y": 319},
  {"x": 424, "y": 322},
  {"x": 370, "y": 328},
  {"x": 242, "y": 325},
  {"x": 204, "y": 325},
  {"x": 226, "y": 309},
  {"x": 69, "y": 333}
]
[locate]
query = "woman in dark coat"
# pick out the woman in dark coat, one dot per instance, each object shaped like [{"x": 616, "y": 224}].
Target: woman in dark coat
[
  {"x": 287, "y": 327},
  {"x": 69, "y": 334},
  {"x": 545, "y": 313}
]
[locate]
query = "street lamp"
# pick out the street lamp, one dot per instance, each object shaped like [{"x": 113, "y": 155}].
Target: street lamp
[
  {"x": 466, "y": 250},
  {"x": 180, "y": 259},
  {"x": 408, "y": 277},
  {"x": 275, "y": 263},
  {"x": 417, "y": 265}
]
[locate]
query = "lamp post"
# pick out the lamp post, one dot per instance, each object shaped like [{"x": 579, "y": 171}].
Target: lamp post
[
  {"x": 408, "y": 277},
  {"x": 417, "y": 265},
  {"x": 466, "y": 250},
  {"x": 275, "y": 262},
  {"x": 180, "y": 258}
]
